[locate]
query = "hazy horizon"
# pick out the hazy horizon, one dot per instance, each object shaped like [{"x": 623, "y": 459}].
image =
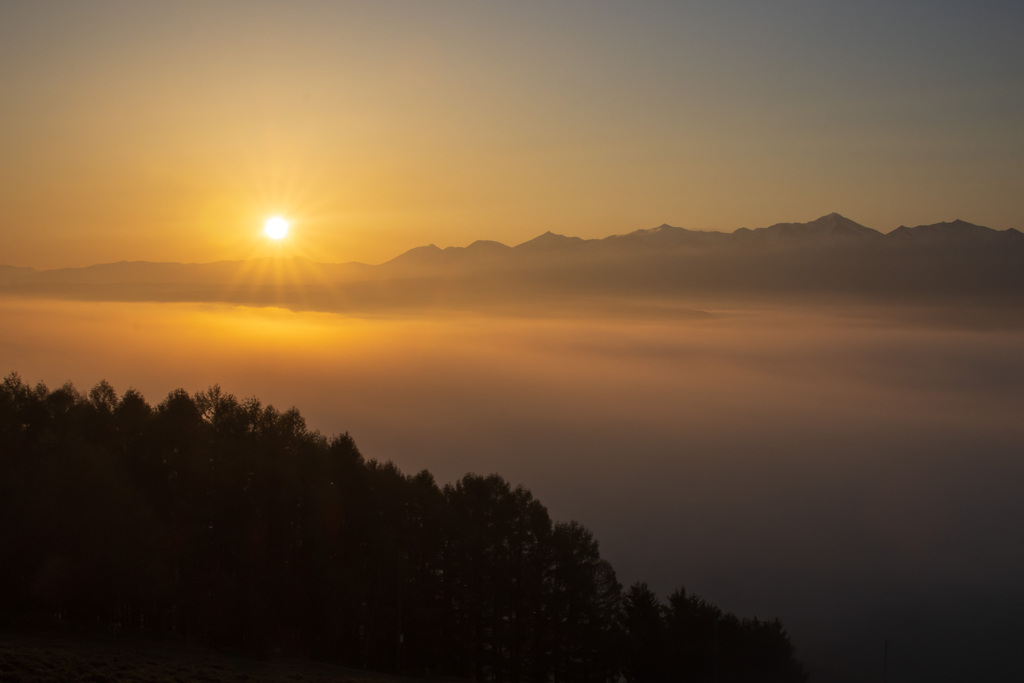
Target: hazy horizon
[{"x": 285, "y": 251}]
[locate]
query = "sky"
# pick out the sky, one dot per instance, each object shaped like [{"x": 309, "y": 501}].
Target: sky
[{"x": 170, "y": 131}]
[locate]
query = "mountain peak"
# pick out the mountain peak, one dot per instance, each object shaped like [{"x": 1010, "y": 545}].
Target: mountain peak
[
  {"x": 425, "y": 255},
  {"x": 837, "y": 221},
  {"x": 830, "y": 228},
  {"x": 952, "y": 233},
  {"x": 550, "y": 240},
  {"x": 482, "y": 248},
  {"x": 488, "y": 244}
]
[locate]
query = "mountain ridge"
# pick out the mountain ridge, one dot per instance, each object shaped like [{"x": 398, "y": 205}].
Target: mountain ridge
[
  {"x": 829, "y": 256},
  {"x": 818, "y": 231},
  {"x": 832, "y": 229}
]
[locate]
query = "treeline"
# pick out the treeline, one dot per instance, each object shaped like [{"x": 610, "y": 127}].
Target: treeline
[{"x": 232, "y": 523}]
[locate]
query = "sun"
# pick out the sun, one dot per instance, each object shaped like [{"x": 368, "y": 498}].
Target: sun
[{"x": 276, "y": 228}]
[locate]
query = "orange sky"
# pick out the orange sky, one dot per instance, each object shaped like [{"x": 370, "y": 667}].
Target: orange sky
[{"x": 170, "y": 131}]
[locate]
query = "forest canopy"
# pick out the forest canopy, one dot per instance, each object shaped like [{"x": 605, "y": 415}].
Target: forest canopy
[{"x": 232, "y": 523}]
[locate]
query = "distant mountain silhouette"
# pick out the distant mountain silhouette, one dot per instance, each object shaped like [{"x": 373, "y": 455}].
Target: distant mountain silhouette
[
  {"x": 549, "y": 242},
  {"x": 15, "y": 272},
  {"x": 430, "y": 255},
  {"x": 485, "y": 247},
  {"x": 666, "y": 237},
  {"x": 958, "y": 233},
  {"x": 830, "y": 229},
  {"x": 831, "y": 255}
]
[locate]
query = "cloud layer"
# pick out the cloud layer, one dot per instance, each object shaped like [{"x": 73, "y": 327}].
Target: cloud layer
[{"x": 847, "y": 470}]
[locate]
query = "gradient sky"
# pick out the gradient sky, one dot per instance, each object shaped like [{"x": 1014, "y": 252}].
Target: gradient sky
[{"x": 169, "y": 131}]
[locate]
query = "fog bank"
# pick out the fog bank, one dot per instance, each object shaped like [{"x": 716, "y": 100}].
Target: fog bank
[{"x": 851, "y": 470}]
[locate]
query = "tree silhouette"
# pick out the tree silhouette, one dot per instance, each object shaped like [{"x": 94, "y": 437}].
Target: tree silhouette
[
  {"x": 644, "y": 650},
  {"x": 584, "y": 599},
  {"x": 232, "y": 523}
]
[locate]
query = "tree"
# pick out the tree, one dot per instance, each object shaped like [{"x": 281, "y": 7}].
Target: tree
[
  {"x": 233, "y": 523},
  {"x": 583, "y": 602},
  {"x": 644, "y": 647}
]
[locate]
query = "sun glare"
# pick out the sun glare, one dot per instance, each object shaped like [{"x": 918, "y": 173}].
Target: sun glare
[{"x": 276, "y": 227}]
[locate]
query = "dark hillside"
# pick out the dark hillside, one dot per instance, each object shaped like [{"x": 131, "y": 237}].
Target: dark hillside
[{"x": 229, "y": 523}]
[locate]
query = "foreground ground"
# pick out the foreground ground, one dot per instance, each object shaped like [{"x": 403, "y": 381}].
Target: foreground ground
[{"x": 61, "y": 657}]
